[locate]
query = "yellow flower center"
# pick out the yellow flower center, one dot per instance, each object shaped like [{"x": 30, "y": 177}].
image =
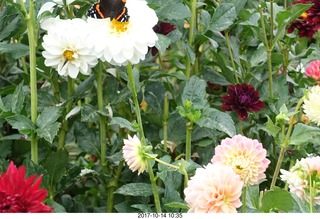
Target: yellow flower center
[
  {"x": 242, "y": 166},
  {"x": 304, "y": 15},
  {"x": 69, "y": 55},
  {"x": 118, "y": 26}
]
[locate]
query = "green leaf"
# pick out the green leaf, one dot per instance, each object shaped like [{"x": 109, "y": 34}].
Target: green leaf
[
  {"x": 56, "y": 165},
  {"x": 177, "y": 205},
  {"x": 162, "y": 43},
  {"x": 89, "y": 113},
  {"x": 87, "y": 138},
  {"x": 57, "y": 207},
  {"x": 195, "y": 91},
  {"x": 122, "y": 122},
  {"x": 223, "y": 17},
  {"x": 303, "y": 133},
  {"x": 277, "y": 200},
  {"x": 171, "y": 178},
  {"x": 49, "y": 132},
  {"x": 190, "y": 52},
  {"x": 271, "y": 128},
  {"x": 137, "y": 189},
  {"x": 18, "y": 99},
  {"x": 21, "y": 123},
  {"x": 215, "y": 119},
  {"x": 10, "y": 22},
  {"x": 16, "y": 51},
  {"x": 176, "y": 11},
  {"x": 49, "y": 116}
]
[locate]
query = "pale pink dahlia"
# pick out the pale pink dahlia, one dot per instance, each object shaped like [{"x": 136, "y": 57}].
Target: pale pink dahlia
[
  {"x": 246, "y": 156},
  {"x": 299, "y": 176},
  {"x": 134, "y": 154},
  {"x": 311, "y": 106},
  {"x": 214, "y": 189},
  {"x": 313, "y": 70}
]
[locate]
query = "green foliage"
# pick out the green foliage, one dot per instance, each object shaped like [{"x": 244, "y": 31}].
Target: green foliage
[{"x": 230, "y": 43}]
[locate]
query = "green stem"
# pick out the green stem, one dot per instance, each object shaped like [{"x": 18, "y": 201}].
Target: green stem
[
  {"x": 192, "y": 27},
  {"x": 231, "y": 56},
  {"x": 244, "y": 199},
  {"x": 269, "y": 58},
  {"x": 285, "y": 144},
  {"x": 311, "y": 193},
  {"x": 241, "y": 127},
  {"x": 112, "y": 188},
  {"x": 154, "y": 188},
  {"x": 136, "y": 103},
  {"x": 271, "y": 22},
  {"x": 268, "y": 50},
  {"x": 188, "y": 140},
  {"x": 64, "y": 128},
  {"x": 102, "y": 118},
  {"x": 165, "y": 121},
  {"x": 32, "y": 37}
]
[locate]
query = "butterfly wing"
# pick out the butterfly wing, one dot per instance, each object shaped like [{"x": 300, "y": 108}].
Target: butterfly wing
[{"x": 114, "y": 9}]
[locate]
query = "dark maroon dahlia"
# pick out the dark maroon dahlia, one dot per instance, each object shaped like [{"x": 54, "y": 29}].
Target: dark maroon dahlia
[
  {"x": 242, "y": 98},
  {"x": 309, "y": 22},
  {"x": 162, "y": 28}
]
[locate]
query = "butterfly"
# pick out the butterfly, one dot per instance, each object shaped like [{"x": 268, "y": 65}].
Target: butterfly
[{"x": 113, "y": 9}]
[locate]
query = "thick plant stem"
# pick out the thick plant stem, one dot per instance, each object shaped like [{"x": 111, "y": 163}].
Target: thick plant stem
[
  {"x": 285, "y": 144},
  {"x": 64, "y": 128},
  {"x": 244, "y": 199},
  {"x": 136, "y": 103},
  {"x": 188, "y": 140},
  {"x": 102, "y": 119},
  {"x": 165, "y": 121},
  {"x": 269, "y": 60},
  {"x": 192, "y": 27},
  {"x": 312, "y": 190},
  {"x": 154, "y": 188},
  {"x": 32, "y": 37},
  {"x": 112, "y": 188}
]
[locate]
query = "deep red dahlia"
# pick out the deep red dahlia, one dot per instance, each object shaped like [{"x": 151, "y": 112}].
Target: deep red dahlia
[
  {"x": 20, "y": 194},
  {"x": 309, "y": 22},
  {"x": 162, "y": 28},
  {"x": 242, "y": 98}
]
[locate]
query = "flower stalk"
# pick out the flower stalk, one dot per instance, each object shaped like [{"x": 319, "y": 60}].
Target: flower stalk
[
  {"x": 284, "y": 145},
  {"x": 102, "y": 118},
  {"x": 231, "y": 57},
  {"x": 32, "y": 39},
  {"x": 64, "y": 128},
  {"x": 188, "y": 139},
  {"x": 193, "y": 20},
  {"x": 244, "y": 199},
  {"x": 165, "y": 122},
  {"x": 136, "y": 103},
  {"x": 154, "y": 188},
  {"x": 268, "y": 46}
]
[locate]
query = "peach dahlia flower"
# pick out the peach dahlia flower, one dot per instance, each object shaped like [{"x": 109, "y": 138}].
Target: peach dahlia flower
[
  {"x": 214, "y": 189},
  {"x": 246, "y": 156}
]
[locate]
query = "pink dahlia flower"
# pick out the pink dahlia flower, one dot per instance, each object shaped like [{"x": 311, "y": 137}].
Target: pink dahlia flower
[
  {"x": 20, "y": 194},
  {"x": 246, "y": 156},
  {"x": 134, "y": 154},
  {"x": 299, "y": 176},
  {"x": 214, "y": 189},
  {"x": 313, "y": 70}
]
